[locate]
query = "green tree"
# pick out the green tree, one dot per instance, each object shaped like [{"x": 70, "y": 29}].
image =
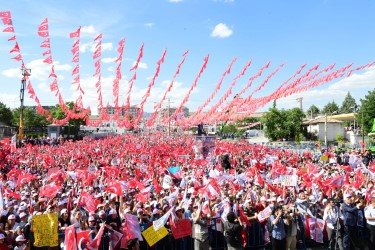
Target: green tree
[
  {"x": 229, "y": 129},
  {"x": 281, "y": 124},
  {"x": 313, "y": 111},
  {"x": 5, "y": 114},
  {"x": 366, "y": 113},
  {"x": 330, "y": 108},
  {"x": 30, "y": 118},
  {"x": 348, "y": 105},
  {"x": 58, "y": 113}
]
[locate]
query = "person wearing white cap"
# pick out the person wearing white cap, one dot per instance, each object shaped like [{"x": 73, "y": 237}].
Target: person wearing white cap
[
  {"x": 20, "y": 243},
  {"x": 12, "y": 222},
  {"x": 349, "y": 212}
]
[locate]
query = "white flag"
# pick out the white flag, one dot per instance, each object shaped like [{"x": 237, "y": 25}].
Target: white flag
[{"x": 159, "y": 223}]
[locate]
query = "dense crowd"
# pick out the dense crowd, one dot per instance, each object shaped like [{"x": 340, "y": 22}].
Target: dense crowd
[{"x": 107, "y": 192}]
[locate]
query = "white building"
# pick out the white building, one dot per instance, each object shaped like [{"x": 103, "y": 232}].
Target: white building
[{"x": 318, "y": 127}]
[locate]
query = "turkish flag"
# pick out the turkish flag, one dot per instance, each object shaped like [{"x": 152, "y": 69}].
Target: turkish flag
[
  {"x": 48, "y": 60},
  {"x": 75, "y": 33},
  {"x": 114, "y": 188},
  {"x": 83, "y": 239},
  {"x": 43, "y": 27},
  {"x": 75, "y": 70},
  {"x": 49, "y": 190},
  {"x": 96, "y": 242},
  {"x": 43, "y": 34},
  {"x": 9, "y": 29},
  {"x": 70, "y": 238},
  {"x": 88, "y": 201},
  {"x": 18, "y": 57},
  {"x": 16, "y": 48},
  {"x": 10, "y": 194},
  {"x": 98, "y": 37},
  {"x": 13, "y": 38},
  {"x": 47, "y": 52},
  {"x": 7, "y": 21},
  {"x": 5, "y": 14}
]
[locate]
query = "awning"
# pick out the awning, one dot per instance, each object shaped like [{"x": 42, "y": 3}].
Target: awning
[{"x": 344, "y": 117}]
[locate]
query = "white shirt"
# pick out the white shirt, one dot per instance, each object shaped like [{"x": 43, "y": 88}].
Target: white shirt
[
  {"x": 330, "y": 216},
  {"x": 370, "y": 212}
]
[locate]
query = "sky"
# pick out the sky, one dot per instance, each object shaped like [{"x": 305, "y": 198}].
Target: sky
[{"x": 292, "y": 32}]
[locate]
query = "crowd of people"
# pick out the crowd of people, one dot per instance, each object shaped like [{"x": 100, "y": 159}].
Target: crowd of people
[{"x": 106, "y": 194}]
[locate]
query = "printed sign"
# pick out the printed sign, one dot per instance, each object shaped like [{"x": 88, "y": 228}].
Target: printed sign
[
  {"x": 151, "y": 236},
  {"x": 45, "y": 228},
  {"x": 182, "y": 228}
]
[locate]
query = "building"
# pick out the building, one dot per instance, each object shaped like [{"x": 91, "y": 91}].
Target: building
[
  {"x": 165, "y": 113},
  {"x": 317, "y": 126},
  {"x": 133, "y": 111},
  {"x": 6, "y": 131}
]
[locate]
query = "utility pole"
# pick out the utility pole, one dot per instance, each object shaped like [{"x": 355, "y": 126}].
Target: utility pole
[
  {"x": 25, "y": 74},
  {"x": 325, "y": 130},
  {"x": 299, "y": 99},
  {"x": 363, "y": 129}
]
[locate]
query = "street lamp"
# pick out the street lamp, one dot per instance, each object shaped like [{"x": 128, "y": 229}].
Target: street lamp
[{"x": 25, "y": 74}]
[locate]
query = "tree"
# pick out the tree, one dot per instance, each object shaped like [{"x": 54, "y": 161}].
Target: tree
[
  {"x": 367, "y": 111},
  {"x": 312, "y": 111},
  {"x": 330, "y": 108},
  {"x": 30, "y": 118},
  {"x": 5, "y": 114},
  {"x": 348, "y": 105},
  {"x": 281, "y": 124},
  {"x": 58, "y": 113}
]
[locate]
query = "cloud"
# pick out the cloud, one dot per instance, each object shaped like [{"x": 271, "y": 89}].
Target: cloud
[
  {"x": 175, "y": 1},
  {"x": 39, "y": 70},
  {"x": 221, "y": 30},
  {"x": 149, "y": 25},
  {"x": 89, "y": 30},
  {"x": 108, "y": 59}
]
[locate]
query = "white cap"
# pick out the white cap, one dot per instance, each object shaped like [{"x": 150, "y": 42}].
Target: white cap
[
  {"x": 22, "y": 214},
  {"x": 2, "y": 236},
  {"x": 20, "y": 238},
  {"x": 112, "y": 211},
  {"x": 63, "y": 211},
  {"x": 11, "y": 217},
  {"x": 101, "y": 213}
]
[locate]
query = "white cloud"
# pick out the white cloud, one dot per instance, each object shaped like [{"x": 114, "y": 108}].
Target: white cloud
[
  {"x": 149, "y": 25},
  {"x": 175, "y": 1},
  {"x": 106, "y": 46},
  {"x": 108, "y": 59},
  {"x": 84, "y": 46},
  {"x": 221, "y": 30},
  {"x": 111, "y": 69},
  {"x": 90, "y": 30},
  {"x": 39, "y": 70},
  {"x": 224, "y": 1}
]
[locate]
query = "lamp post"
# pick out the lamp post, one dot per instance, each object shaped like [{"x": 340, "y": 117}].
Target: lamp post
[
  {"x": 25, "y": 74},
  {"x": 325, "y": 131},
  {"x": 363, "y": 129}
]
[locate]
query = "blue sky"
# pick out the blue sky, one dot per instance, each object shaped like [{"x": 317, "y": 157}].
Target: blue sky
[{"x": 290, "y": 32}]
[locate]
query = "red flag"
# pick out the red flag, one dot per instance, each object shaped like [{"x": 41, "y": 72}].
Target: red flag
[
  {"x": 70, "y": 238},
  {"x": 7, "y": 21},
  {"x": 96, "y": 242},
  {"x": 75, "y": 70},
  {"x": 43, "y": 34},
  {"x": 48, "y": 60},
  {"x": 9, "y": 29},
  {"x": 13, "y": 38},
  {"x": 114, "y": 188},
  {"x": 18, "y": 57},
  {"x": 9, "y": 193},
  {"x": 16, "y": 48},
  {"x": 49, "y": 190},
  {"x": 88, "y": 201},
  {"x": 98, "y": 37},
  {"x": 75, "y": 33},
  {"x": 43, "y": 27},
  {"x": 5, "y": 14}
]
